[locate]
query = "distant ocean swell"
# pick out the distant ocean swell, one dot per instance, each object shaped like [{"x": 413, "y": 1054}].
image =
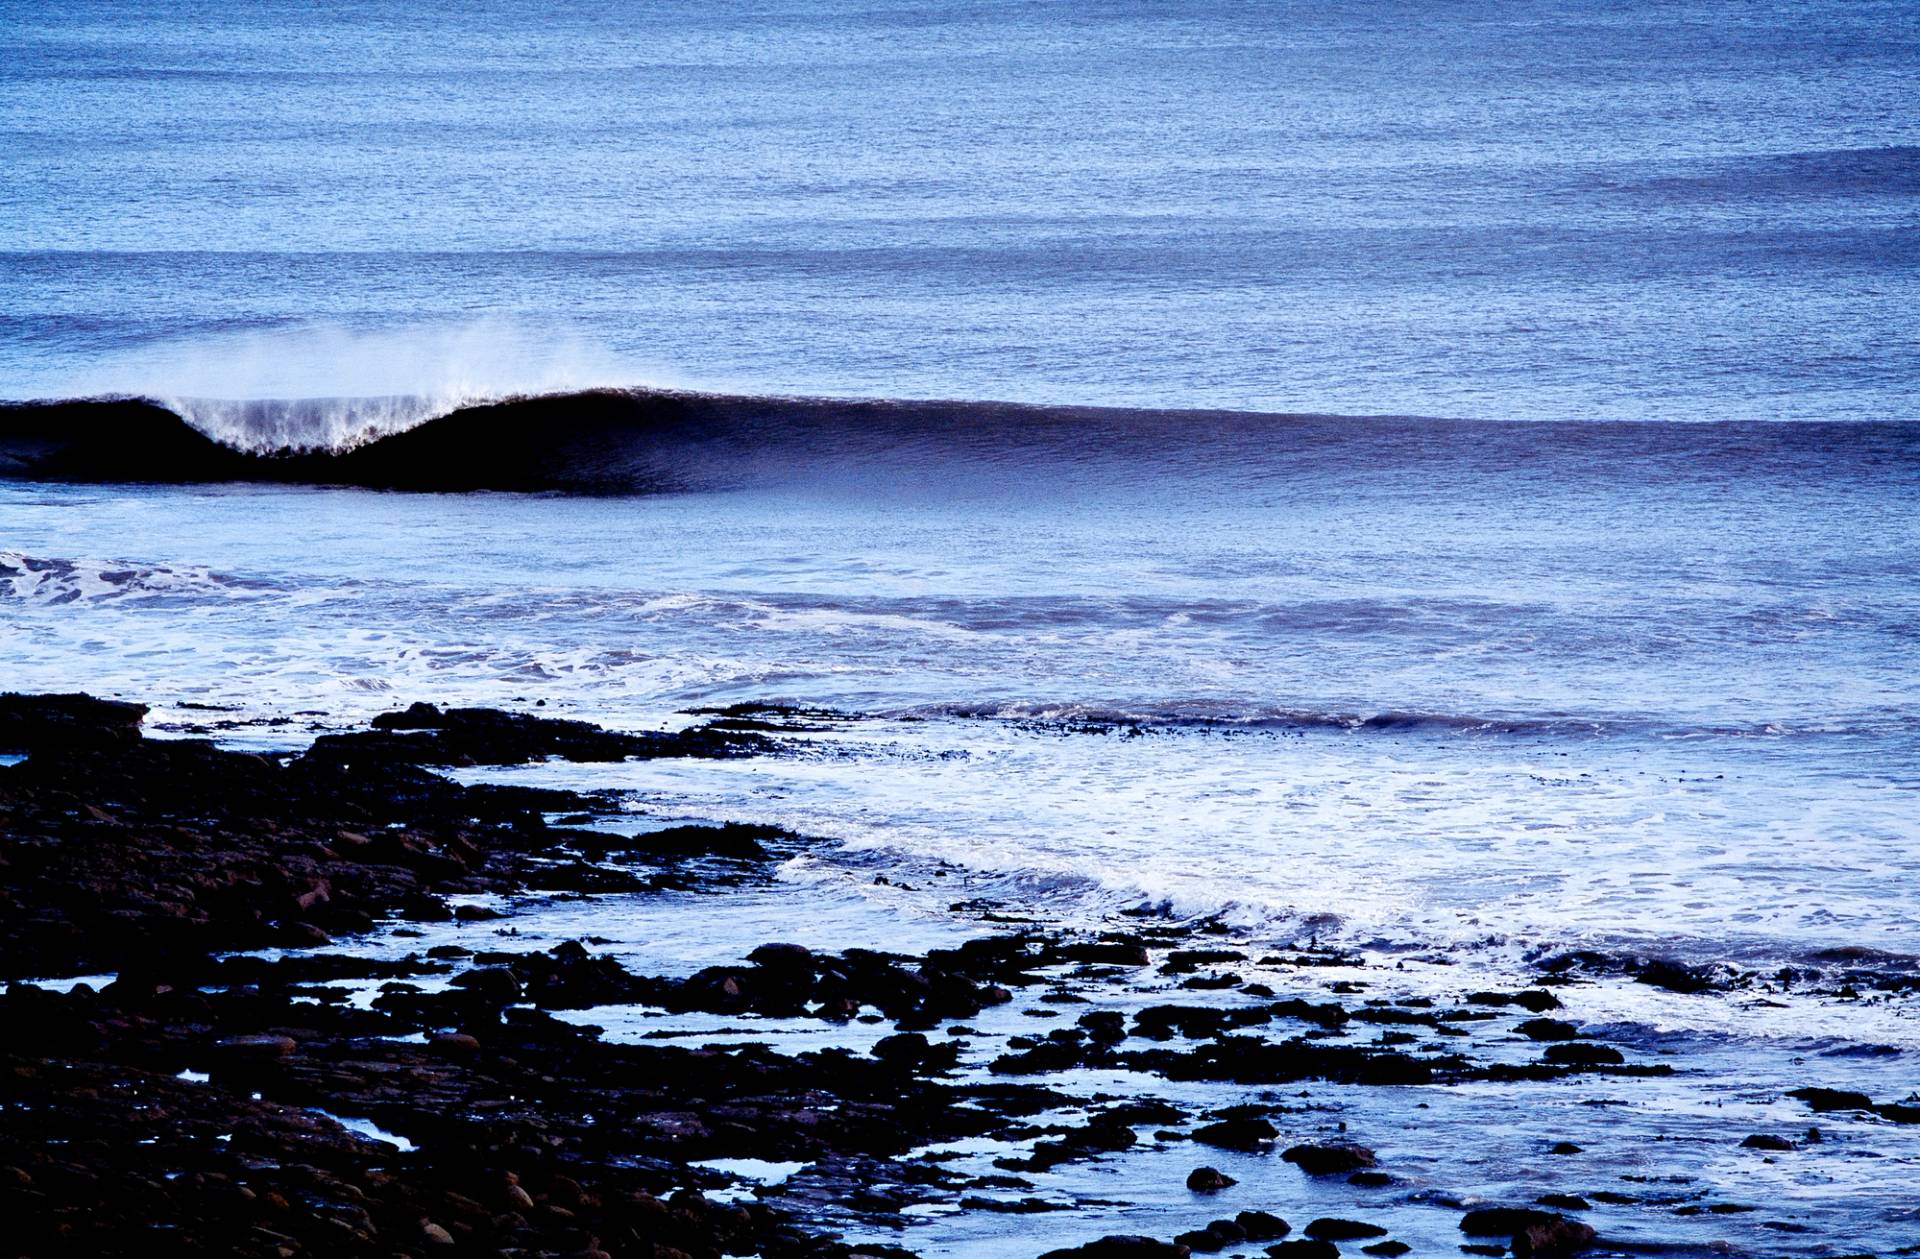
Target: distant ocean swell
[{"x": 625, "y": 441}]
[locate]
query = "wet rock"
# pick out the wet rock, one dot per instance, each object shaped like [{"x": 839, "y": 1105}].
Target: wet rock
[
  {"x": 1564, "y": 1201},
  {"x": 1148, "y": 1110},
  {"x": 1333, "y": 1229},
  {"x": 1209, "y": 1180},
  {"x": 1304, "y": 1249},
  {"x": 1329, "y": 1160},
  {"x": 1580, "y": 1054},
  {"x": 1547, "y": 1029},
  {"x": 1825, "y": 1100},
  {"x": 1186, "y": 961},
  {"x": 1556, "y": 1239},
  {"x": 784, "y": 958},
  {"x": 1106, "y": 952},
  {"x": 1327, "y": 1014},
  {"x": 1504, "y": 1221},
  {"x": 1236, "y": 1134},
  {"x": 1121, "y": 1247},
  {"x": 1012, "y": 1206},
  {"x": 32, "y": 723},
  {"x": 1388, "y": 1250},
  {"x": 913, "y": 1051},
  {"x": 1767, "y": 1141},
  {"x": 1536, "y": 1000},
  {"x": 1262, "y": 1226},
  {"x": 491, "y": 983},
  {"x": 1370, "y": 1180},
  {"x": 1565, "y": 1147},
  {"x": 1215, "y": 1236},
  {"x": 1047, "y": 1056},
  {"x": 254, "y": 1048},
  {"x": 1675, "y": 976}
]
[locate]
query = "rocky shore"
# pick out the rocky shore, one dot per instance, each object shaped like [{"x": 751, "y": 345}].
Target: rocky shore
[{"x": 237, "y": 1077}]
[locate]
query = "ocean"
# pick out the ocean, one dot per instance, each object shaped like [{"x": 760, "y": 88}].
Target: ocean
[{"x": 1441, "y": 480}]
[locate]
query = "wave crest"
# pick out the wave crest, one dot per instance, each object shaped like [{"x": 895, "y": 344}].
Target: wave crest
[
  {"x": 271, "y": 426},
  {"x": 323, "y": 389}
]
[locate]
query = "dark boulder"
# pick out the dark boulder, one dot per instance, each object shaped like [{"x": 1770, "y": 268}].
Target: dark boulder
[
  {"x": 1557, "y": 1239},
  {"x": 1579, "y": 1054},
  {"x": 1262, "y": 1226},
  {"x": 1236, "y": 1134},
  {"x": 1547, "y": 1029},
  {"x": 1332, "y": 1229},
  {"x": 1766, "y": 1141},
  {"x": 1504, "y": 1221},
  {"x": 1209, "y": 1180},
  {"x": 1824, "y": 1100},
  {"x": 1329, "y": 1160},
  {"x": 1304, "y": 1249},
  {"x": 1121, "y": 1247}
]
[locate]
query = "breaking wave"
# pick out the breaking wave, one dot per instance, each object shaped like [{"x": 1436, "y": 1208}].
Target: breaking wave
[
  {"x": 649, "y": 439},
  {"x": 321, "y": 389}
]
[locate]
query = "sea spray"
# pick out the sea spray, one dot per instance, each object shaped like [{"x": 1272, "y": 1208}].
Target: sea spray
[{"x": 321, "y": 387}]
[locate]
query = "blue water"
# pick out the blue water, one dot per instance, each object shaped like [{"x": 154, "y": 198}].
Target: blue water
[
  {"x": 1457, "y": 690},
  {"x": 1684, "y": 211}
]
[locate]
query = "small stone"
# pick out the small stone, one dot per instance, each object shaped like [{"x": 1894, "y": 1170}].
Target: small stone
[
  {"x": 1766, "y": 1141},
  {"x": 433, "y": 1234},
  {"x": 1330, "y": 1229}
]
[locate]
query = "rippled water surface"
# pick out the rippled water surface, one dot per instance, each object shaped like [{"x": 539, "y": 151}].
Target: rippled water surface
[{"x": 1539, "y": 210}]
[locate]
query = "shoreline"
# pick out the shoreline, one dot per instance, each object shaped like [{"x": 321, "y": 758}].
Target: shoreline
[{"x": 546, "y": 1101}]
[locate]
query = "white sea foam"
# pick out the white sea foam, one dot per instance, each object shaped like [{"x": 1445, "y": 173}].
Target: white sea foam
[{"x": 48, "y": 581}]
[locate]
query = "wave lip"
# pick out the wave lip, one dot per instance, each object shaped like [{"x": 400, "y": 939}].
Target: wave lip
[{"x": 285, "y": 426}]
